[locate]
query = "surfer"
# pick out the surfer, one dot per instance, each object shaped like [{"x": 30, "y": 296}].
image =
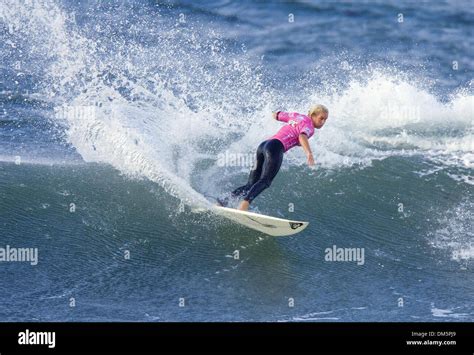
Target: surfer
[{"x": 298, "y": 129}]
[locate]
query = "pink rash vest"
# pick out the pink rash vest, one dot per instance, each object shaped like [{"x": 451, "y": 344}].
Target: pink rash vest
[{"x": 297, "y": 124}]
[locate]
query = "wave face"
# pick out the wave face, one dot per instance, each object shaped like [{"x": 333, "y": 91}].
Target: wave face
[{"x": 129, "y": 114}]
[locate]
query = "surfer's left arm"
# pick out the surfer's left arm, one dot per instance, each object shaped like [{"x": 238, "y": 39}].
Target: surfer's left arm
[{"x": 303, "y": 139}]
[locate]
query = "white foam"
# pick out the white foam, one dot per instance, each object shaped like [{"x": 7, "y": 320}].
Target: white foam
[
  {"x": 33, "y": 160},
  {"x": 456, "y": 232},
  {"x": 447, "y": 313},
  {"x": 385, "y": 115}
]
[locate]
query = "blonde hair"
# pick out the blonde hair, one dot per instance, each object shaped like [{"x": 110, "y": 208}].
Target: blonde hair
[{"x": 315, "y": 110}]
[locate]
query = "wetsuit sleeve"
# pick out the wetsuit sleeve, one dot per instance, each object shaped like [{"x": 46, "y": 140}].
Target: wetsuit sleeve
[{"x": 283, "y": 116}]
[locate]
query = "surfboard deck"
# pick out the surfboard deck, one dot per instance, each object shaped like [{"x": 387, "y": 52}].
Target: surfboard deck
[{"x": 276, "y": 227}]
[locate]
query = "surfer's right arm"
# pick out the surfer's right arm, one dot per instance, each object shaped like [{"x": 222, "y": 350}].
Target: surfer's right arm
[{"x": 281, "y": 116}]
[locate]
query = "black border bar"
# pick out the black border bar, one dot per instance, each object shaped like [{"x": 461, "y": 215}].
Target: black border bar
[{"x": 241, "y": 337}]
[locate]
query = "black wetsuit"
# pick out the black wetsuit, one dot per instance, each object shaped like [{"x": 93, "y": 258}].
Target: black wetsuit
[{"x": 269, "y": 159}]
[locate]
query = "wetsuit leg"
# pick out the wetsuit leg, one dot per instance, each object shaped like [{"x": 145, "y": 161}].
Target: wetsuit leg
[
  {"x": 253, "y": 177},
  {"x": 254, "y": 173},
  {"x": 273, "y": 152}
]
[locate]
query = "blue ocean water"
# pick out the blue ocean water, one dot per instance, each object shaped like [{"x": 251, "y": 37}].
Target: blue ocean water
[{"x": 115, "y": 116}]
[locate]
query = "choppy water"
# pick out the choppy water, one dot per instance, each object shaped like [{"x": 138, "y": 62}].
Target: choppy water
[{"x": 113, "y": 117}]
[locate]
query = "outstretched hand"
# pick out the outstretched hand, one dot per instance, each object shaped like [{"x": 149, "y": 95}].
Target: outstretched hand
[{"x": 310, "y": 160}]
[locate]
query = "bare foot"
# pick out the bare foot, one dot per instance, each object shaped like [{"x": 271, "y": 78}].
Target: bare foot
[{"x": 244, "y": 206}]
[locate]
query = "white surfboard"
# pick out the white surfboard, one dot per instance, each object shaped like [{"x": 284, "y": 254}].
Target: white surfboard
[{"x": 277, "y": 227}]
